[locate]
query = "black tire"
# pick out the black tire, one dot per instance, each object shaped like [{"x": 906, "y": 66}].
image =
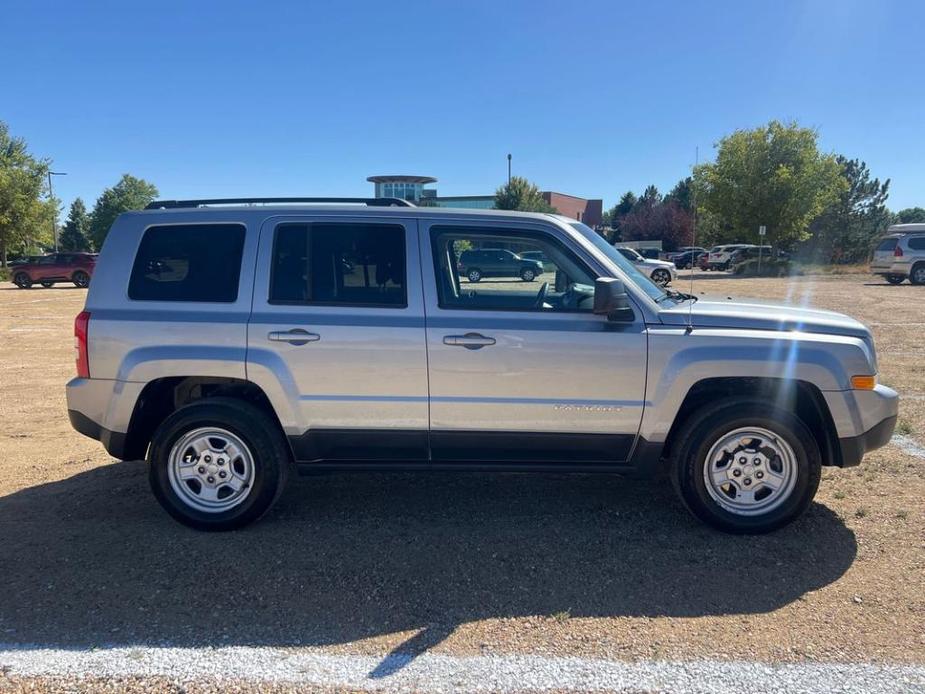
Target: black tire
[
  {"x": 894, "y": 279},
  {"x": 710, "y": 425},
  {"x": 264, "y": 442},
  {"x": 528, "y": 274},
  {"x": 81, "y": 279},
  {"x": 22, "y": 280},
  {"x": 474, "y": 275},
  {"x": 917, "y": 274},
  {"x": 48, "y": 285}
]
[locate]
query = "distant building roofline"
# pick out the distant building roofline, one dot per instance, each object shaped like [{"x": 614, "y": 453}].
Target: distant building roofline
[{"x": 402, "y": 179}]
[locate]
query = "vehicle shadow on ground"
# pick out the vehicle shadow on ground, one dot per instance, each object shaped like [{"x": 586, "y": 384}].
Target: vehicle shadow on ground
[{"x": 92, "y": 560}]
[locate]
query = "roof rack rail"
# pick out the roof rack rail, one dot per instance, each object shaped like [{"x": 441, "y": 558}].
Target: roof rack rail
[{"x": 370, "y": 202}]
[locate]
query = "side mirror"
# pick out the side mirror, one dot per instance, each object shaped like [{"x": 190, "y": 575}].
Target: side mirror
[{"x": 610, "y": 300}]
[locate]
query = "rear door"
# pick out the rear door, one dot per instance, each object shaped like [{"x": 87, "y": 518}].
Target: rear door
[{"x": 336, "y": 336}]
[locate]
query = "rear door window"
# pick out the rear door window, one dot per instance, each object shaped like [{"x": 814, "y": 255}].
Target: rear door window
[
  {"x": 339, "y": 264},
  {"x": 917, "y": 243},
  {"x": 188, "y": 262}
]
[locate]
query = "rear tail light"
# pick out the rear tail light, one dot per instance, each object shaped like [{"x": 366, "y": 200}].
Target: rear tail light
[
  {"x": 898, "y": 252},
  {"x": 81, "y": 326}
]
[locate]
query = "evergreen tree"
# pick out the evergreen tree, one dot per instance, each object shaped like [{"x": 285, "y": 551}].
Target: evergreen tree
[{"x": 74, "y": 235}]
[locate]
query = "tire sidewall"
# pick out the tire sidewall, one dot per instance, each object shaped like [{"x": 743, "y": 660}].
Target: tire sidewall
[
  {"x": 689, "y": 466},
  {"x": 527, "y": 275},
  {"x": 254, "y": 428},
  {"x": 22, "y": 280},
  {"x": 81, "y": 279},
  {"x": 474, "y": 275}
]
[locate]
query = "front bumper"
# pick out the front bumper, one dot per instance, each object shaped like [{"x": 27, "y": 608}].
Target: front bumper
[
  {"x": 852, "y": 449},
  {"x": 864, "y": 420}
]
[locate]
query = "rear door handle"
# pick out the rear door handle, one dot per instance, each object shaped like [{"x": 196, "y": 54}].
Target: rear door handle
[
  {"x": 469, "y": 341},
  {"x": 296, "y": 336}
]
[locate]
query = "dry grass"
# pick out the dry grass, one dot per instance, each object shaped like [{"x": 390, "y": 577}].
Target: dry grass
[{"x": 592, "y": 566}]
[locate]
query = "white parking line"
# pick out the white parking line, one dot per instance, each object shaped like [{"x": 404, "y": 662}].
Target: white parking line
[{"x": 428, "y": 672}]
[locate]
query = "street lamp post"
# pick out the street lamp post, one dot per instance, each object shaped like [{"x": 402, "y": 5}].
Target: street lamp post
[
  {"x": 54, "y": 216},
  {"x": 509, "y": 169}
]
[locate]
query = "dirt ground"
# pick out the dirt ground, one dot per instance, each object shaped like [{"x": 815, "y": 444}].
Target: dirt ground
[{"x": 465, "y": 563}]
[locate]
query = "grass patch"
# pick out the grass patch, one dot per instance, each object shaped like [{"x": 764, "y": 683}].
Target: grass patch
[
  {"x": 562, "y": 616},
  {"x": 4, "y": 274},
  {"x": 904, "y": 427},
  {"x": 902, "y": 514},
  {"x": 861, "y": 513},
  {"x": 839, "y": 494},
  {"x": 820, "y": 269}
]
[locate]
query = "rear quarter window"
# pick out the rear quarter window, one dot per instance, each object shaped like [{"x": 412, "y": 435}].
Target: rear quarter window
[
  {"x": 887, "y": 244},
  {"x": 188, "y": 262}
]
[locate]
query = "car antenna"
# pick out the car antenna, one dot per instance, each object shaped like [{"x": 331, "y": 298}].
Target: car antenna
[{"x": 690, "y": 308}]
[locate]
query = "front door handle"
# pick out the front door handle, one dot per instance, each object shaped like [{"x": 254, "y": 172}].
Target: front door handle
[
  {"x": 469, "y": 341},
  {"x": 296, "y": 336}
]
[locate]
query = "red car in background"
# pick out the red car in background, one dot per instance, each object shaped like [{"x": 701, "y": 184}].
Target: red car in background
[{"x": 56, "y": 267}]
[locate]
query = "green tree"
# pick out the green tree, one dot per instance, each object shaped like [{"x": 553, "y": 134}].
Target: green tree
[
  {"x": 773, "y": 176},
  {"x": 129, "y": 193},
  {"x": 910, "y": 215},
  {"x": 619, "y": 211},
  {"x": 520, "y": 194},
  {"x": 846, "y": 229},
  {"x": 25, "y": 219},
  {"x": 74, "y": 234},
  {"x": 681, "y": 194}
]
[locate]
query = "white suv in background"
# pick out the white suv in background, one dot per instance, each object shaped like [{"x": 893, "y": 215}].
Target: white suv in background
[
  {"x": 720, "y": 257},
  {"x": 661, "y": 272},
  {"x": 901, "y": 254}
]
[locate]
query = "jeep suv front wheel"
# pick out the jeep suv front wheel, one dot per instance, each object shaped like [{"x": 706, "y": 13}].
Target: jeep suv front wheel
[
  {"x": 745, "y": 466},
  {"x": 218, "y": 464}
]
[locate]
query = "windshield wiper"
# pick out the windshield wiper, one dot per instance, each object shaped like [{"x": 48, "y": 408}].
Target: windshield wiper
[{"x": 679, "y": 296}]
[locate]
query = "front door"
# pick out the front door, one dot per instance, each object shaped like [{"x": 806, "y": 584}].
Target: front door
[
  {"x": 336, "y": 336},
  {"x": 523, "y": 371}
]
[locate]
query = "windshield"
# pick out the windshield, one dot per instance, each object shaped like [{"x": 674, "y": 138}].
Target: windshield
[{"x": 617, "y": 258}]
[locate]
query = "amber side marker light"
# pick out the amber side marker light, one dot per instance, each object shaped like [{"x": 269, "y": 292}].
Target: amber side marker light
[{"x": 863, "y": 382}]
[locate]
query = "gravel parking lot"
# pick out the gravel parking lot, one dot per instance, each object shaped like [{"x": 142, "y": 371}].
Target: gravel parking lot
[{"x": 392, "y": 567}]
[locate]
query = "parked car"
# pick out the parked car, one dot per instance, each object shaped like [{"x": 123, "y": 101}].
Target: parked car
[
  {"x": 750, "y": 252},
  {"x": 682, "y": 250},
  {"x": 538, "y": 256},
  {"x": 720, "y": 256},
  {"x": 498, "y": 262},
  {"x": 901, "y": 254},
  {"x": 688, "y": 259},
  {"x": 55, "y": 267},
  {"x": 661, "y": 271},
  {"x": 256, "y": 355}
]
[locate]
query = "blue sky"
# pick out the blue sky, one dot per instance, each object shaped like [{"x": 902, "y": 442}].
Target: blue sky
[{"x": 592, "y": 98}]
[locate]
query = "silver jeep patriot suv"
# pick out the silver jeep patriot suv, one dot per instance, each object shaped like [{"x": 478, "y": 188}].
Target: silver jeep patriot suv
[{"x": 232, "y": 342}]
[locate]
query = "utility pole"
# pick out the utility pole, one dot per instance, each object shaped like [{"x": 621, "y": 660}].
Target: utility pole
[
  {"x": 54, "y": 216},
  {"x": 509, "y": 169}
]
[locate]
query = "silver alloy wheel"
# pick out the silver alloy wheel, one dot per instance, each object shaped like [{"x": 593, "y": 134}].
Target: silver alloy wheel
[
  {"x": 661, "y": 277},
  {"x": 210, "y": 469},
  {"x": 750, "y": 471},
  {"x": 474, "y": 275},
  {"x": 528, "y": 275},
  {"x": 918, "y": 274}
]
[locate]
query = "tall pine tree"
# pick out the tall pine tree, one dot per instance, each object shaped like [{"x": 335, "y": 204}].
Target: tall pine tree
[{"x": 74, "y": 235}]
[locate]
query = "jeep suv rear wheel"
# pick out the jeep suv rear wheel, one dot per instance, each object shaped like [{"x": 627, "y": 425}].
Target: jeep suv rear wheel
[
  {"x": 218, "y": 464},
  {"x": 745, "y": 466},
  {"x": 22, "y": 280}
]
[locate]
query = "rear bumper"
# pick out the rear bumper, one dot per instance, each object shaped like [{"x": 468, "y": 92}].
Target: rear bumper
[
  {"x": 853, "y": 448},
  {"x": 113, "y": 441}
]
